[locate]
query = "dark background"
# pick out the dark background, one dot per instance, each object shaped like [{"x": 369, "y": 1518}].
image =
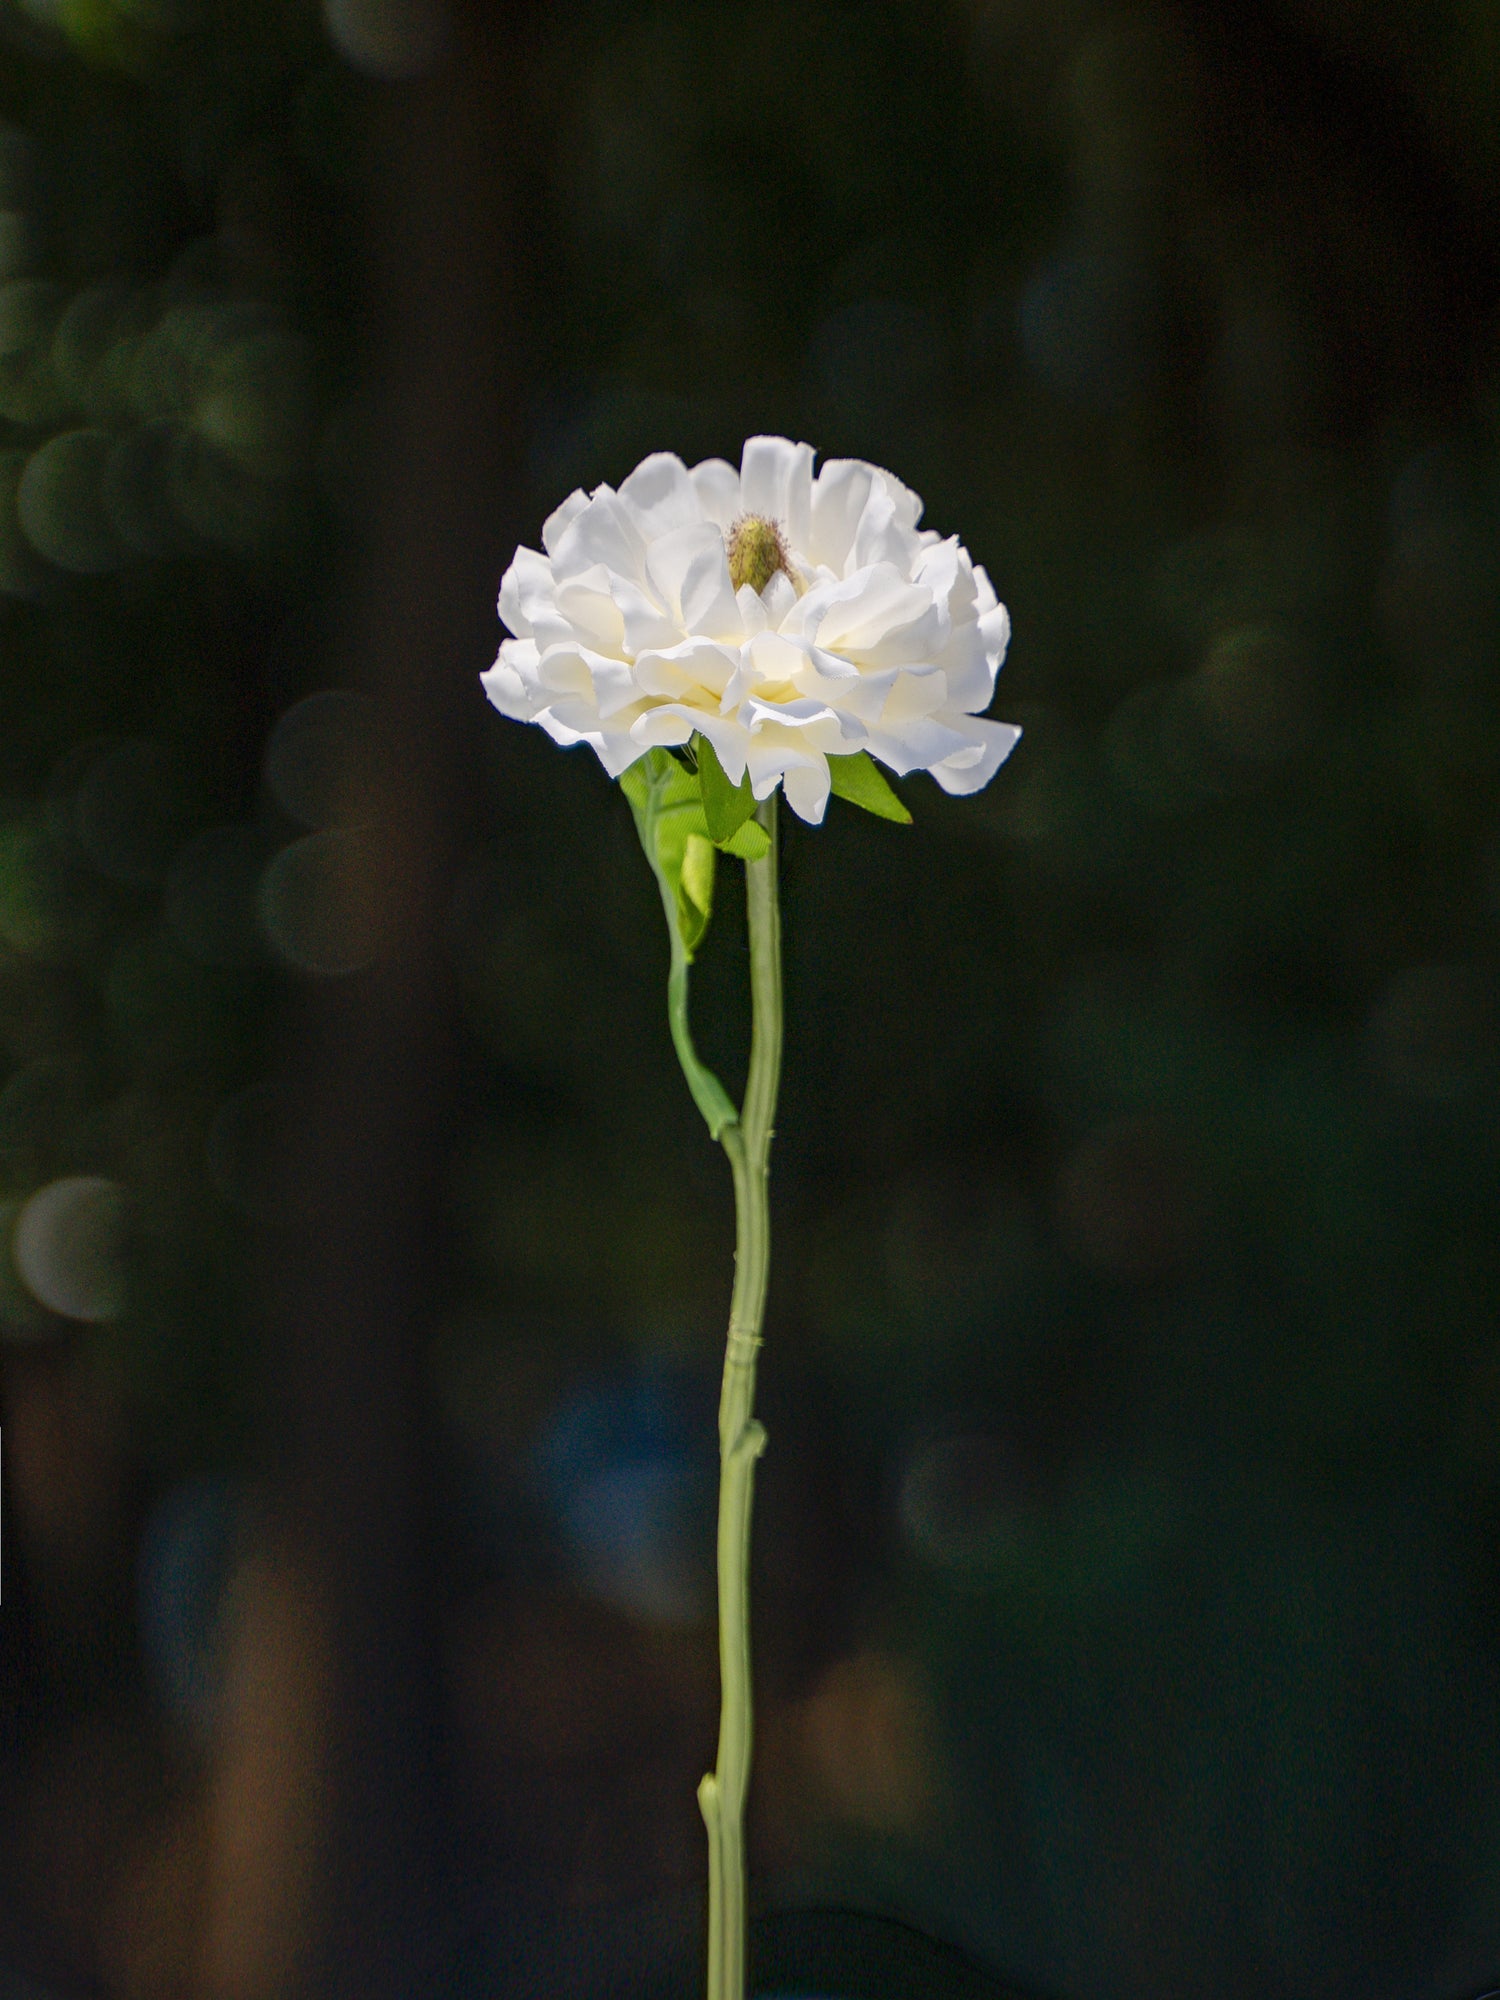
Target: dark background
[{"x": 1128, "y": 1547}]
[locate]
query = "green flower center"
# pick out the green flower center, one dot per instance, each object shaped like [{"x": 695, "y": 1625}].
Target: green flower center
[{"x": 757, "y": 549}]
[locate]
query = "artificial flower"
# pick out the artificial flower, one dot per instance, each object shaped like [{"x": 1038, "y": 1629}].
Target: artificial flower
[{"x": 785, "y": 617}]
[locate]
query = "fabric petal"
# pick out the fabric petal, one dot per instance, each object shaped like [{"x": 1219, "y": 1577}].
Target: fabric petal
[
  {"x": 807, "y": 789},
  {"x": 661, "y": 497},
  {"x": 529, "y": 576},
  {"x": 838, "y": 500},
  {"x": 776, "y": 482},
  {"x": 717, "y": 486},
  {"x": 601, "y": 532},
  {"x": 884, "y": 535},
  {"x": 690, "y": 570},
  {"x": 919, "y": 745},
  {"x": 971, "y": 769},
  {"x": 556, "y": 523}
]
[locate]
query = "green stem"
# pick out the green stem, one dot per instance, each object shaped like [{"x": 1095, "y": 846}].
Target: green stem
[
  {"x": 747, "y": 1141},
  {"x": 710, "y": 1096}
]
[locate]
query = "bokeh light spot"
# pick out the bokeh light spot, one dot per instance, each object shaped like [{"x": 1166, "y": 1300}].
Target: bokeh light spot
[
  {"x": 29, "y": 391},
  {"x": 67, "y": 1244},
  {"x": 60, "y": 505},
  {"x": 319, "y": 903},
  {"x": 317, "y": 755},
  {"x": 390, "y": 39}
]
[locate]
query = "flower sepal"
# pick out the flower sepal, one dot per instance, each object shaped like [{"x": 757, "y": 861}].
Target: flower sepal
[
  {"x": 726, "y": 806},
  {"x": 858, "y": 779}
]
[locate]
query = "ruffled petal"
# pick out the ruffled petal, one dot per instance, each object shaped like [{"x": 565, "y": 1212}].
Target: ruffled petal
[
  {"x": 717, "y": 486},
  {"x": 645, "y": 622},
  {"x": 807, "y": 788},
  {"x": 661, "y": 497},
  {"x": 776, "y": 482},
  {"x": 885, "y": 533},
  {"x": 601, "y": 532},
  {"x": 556, "y": 523},
  {"x": 627, "y": 631},
  {"x": 673, "y": 672},
  {"x": 970, "y": 769},
  {"x": 511, "y": 692},
  {"x": 528, "y": 579},
  {"x": 968, "y": 669},
  {"x": 917, "y": 745},
  {"x": 838, "y": 500},
  {"x": 690, "y": 570}
]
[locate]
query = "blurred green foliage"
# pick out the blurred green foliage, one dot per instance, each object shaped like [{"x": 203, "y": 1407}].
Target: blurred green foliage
[{"x": 1136, "y": 1187}]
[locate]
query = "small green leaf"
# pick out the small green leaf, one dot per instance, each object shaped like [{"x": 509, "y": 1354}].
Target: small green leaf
[
  {"x": 749, "y": 842},
  {"x": 668, "y": 809},
  {"x": 695, "y": 889},
  {"x": 635, "y": 786},
  {"x": 857, "y": 780},
  {"x": 726, "y": 807}
]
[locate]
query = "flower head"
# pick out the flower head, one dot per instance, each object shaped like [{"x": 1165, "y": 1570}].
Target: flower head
[{"x": 786, "y": 618}]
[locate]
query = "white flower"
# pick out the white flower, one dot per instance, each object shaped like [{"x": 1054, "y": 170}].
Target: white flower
[{"x": 786, "y": 618}]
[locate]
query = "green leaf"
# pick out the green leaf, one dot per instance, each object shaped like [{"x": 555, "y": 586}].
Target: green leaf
[
  {"x": 668, "y": 809},
  {"x": 750, "y": 842},
  {"x": 857, "y": 780},
  {"x": 726, "y": 807},
  {"x": 695, "y": 889},
  {"x": 635, "y": 786}
]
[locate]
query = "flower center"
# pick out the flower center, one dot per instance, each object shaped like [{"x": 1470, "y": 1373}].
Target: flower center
[{"x": 757, "y": 549}]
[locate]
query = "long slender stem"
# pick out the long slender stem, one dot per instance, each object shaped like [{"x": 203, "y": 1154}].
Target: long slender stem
[{"x": 721, "y": 1795}]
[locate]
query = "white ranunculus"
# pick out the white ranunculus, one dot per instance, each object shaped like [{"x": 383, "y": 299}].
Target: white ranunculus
[{"x": 851, "y": 628}]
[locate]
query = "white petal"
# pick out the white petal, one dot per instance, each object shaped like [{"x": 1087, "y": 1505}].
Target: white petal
[
  {"x": 586, "y": 604},
  {"x": 731, "y": 741},
  {"x": 782, "y": 741},
  {"x": 717, "y": 486},
  {"x": 912, "y": 698},
  {"x": 859, "y": 616},
  {"x": 752, "y": 609},
  {"x": 807, "y": 790},
  {"x": 617, "y": 750},
  {"x": 884, "y": 533},
  {"x": 561, "y": 733},
  {"x": 512, "y": 694},
  {"x": 774, "y": 661},
  {"x": 661, "y": 496},
  {"x": 779, "y": 595},
  {"x": 995, "y": 628},
  {"x": 614, "y": 686},
  {"x": 968, "y": 669},
  {"x": 838, "y": 500},
  {"x": 971, "y": 769},
  {"x": 776, "y": 482},
  {"x": 646, "y": 623},
  {"x": 673, "y": 671},
  {"x": 528, "y": 578},
  {"x": 666, "y": 723},
  {"x": 557, "y": 521},
  {"x": 564, "y": 669},
  {"x": 918, "y": 745},
  {"x": 709, "y": 601},
  {"x": 690, "y": 569},
  {"x": 945, "y": 569},
  {"x": 602, "y": 532}
]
